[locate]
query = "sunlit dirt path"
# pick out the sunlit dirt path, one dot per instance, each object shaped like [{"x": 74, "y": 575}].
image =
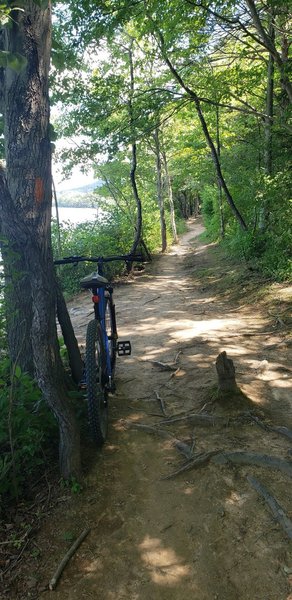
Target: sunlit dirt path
[{"x": 205, "y": 534}]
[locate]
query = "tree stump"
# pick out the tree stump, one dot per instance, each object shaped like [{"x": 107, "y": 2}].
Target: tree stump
[{"x": 226, "y": 373}]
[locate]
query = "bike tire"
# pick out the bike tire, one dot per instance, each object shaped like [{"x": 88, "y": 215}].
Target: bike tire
[
  {"x": 95, "y": 361},
  {"x": 110, "y": 327}
]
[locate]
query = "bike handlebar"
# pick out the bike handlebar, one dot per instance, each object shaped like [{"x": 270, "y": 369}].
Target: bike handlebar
[{"x": 100, "y": 259}]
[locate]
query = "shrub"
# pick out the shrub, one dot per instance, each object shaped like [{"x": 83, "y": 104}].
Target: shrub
[{"x": 26, "y": 426}]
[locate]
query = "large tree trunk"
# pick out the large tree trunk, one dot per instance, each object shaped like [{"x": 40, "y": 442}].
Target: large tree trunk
[
  {"x": 160, "y": 198},
  {"x": 25, "y": 205},
  {"x": 18, "y": 308}
]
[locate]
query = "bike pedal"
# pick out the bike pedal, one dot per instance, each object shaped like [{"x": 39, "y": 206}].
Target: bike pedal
[{"x": 124, "y": 348}]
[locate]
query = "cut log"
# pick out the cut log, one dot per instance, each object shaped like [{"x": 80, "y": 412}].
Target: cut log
[{"x": 226, "y": 373}]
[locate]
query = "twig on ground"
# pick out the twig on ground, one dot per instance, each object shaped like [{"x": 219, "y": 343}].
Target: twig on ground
[
  {"x": 11, "y": 566},
  {"x": 151, "y": 300},
  {"x": 164, "y": 366},
  {"x": 171, "y": 366},
  {"x": 175, "y": 372},
  {"x": 273, "y": 504},
  {"x": 65, "y": 560},
  {"x": 161, "y": 402}
]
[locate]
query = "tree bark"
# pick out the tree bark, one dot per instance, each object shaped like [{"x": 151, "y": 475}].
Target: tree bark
[
  {"x": 17, "y": 297},
  {"x": 75, "y": 361},
  {"x": 220, "y": 199},
  {"x": 138, "y": 228},
  {"x": 170, "y": 197},
  {"x": 269, "y": 44},
  {"x": 160, "y": 198},
  {"x": 268, "y": 161},
  {"x": 226, "y": 373},
  {"x": 25, "y": 205}
]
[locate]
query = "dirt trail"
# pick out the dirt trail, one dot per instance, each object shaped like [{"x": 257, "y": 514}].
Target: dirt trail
[{"x": 204, "y": 535}]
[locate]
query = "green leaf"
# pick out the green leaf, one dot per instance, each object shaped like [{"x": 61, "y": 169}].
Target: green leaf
[
  {"x": 17, "y": 372},
  {"x": 16, "y": 61}
]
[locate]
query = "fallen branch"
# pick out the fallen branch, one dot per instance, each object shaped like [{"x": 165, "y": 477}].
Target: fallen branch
[
  {"x": 65, "y": 560},
  {"x": 259, "y": 460},
  {"x": 273, "y": 504}
]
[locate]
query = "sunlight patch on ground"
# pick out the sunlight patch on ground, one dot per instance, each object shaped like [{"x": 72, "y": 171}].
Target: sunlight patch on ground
[
  {"x": 165, "y": 566},
  {"x": 236, "y": 499},
  {"x": 187, "y": 329},
  {"x": 280, "y": 383}
]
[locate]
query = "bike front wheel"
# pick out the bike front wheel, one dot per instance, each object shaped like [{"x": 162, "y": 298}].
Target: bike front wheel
[{"x": 96, "y": 378}]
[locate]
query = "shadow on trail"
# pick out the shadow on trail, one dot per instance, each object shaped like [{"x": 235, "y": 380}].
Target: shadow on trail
[{"x": 202, "y": 535}]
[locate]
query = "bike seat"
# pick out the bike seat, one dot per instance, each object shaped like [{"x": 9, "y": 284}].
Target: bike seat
[{"x": 93, "y": 280}]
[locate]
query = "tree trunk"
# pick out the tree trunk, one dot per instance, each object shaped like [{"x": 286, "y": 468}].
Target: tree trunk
[
  {"x": 17, "y": 299},
  {"x": 25, "y": 205},
  {"x": 170, "y": 196},
  {"x": 192, "y": 94},
  {"x": 75, "y": 361},
  {"x": 138, "y": 228},
  {"x": 268, "y": 160},
  {"x": 220, "y": 199},
  {"x": 269, "y": 43},
  {"x": 160, "y": 198}
]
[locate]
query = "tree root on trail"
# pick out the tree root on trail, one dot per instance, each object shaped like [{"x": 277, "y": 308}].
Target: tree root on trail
[
  {"x": 284, "y": 431},
  {"x": 200, "y": 459},
  {"x": 198, "y": 419},
  {"x": 182, "y": 447},
  {"x": 252, "y": 458},
  {"x": 273, "y": 505},
  {"x": 220, "y": 457}
]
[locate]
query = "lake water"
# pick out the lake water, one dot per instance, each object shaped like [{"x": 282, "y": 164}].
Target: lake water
[{"x": 75, "y": 215}]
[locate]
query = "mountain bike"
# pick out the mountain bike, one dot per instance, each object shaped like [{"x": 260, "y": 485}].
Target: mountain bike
[{"x": 102, "y": 345}]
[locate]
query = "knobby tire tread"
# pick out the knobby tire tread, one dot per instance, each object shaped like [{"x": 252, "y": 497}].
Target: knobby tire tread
[
  {"x": 96, "y": 392},
  {"x": 111, "y": 332}
]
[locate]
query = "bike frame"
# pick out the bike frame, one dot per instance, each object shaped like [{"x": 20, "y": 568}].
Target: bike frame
[
  {"x": 99, "y": 301},
  {"x": 99, "y": 297}
]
